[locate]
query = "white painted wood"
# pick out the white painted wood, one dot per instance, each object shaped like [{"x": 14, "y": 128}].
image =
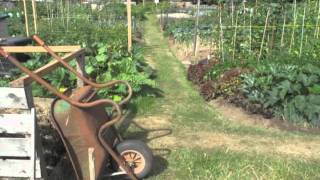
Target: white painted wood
[
  {"x": 91, "y": 163},
  {"x": 33, "y": 154},
  {"x": 15, "y": 147},
  {"x": 16, "y": 123},
  {"x": 17, "y": 168},
  {"x": 13, "y": 98}
]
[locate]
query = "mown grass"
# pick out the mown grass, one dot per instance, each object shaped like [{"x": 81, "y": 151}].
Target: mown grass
[
  {"x": 224, "y": 164},
  {"x": 184, "y": 101},
  {"x": 181, "y": 102}
]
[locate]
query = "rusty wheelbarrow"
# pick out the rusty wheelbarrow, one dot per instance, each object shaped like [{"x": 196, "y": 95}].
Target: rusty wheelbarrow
[{"x": 93, "y": 144}]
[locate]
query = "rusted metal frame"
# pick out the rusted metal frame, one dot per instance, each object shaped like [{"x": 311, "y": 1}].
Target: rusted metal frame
[
  {"x": 39, "y": 49},
  {"x": 86, "y": 80},
  {"x": 38, "y": 79},
  {"x": 24, "y": 80},
  {"x": 115, "y": 106}
]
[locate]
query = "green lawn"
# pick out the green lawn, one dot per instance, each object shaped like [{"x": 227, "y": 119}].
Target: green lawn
[{"x": 188, "y": 117}]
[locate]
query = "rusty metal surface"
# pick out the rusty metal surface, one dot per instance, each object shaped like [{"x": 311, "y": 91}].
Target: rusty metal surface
[{"x": 86, "y": 116}]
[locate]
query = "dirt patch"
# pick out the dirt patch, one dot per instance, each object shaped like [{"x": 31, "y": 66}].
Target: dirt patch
[
  {"x": 158, "y": 134},
  {"x": 239, "y": 115},
  {"x": 157, "y": 131},
  {"x": 184, "y": 52},
  {"x": 294, "y": 147}
]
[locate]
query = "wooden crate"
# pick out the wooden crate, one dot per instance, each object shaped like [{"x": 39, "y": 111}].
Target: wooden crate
[{"x": 20, "y": 152}]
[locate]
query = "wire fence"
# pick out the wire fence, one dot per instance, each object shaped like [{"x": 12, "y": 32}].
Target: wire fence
[{"x": 243, "y": 30}]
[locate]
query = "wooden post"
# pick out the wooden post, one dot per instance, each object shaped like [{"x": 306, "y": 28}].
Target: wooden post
[
  {"x": 91, "y": 163},
  {"x": 81, "y": 69},
  {"x": 34, "y": 12},
  {"x": 129, "y": 25},
  {"x": 235, "y": 37},
  {"x": 250, "y": 30},
  {"x": 221, "y": 33},
  {"x": 26, "y": 17},
  {"x": 195, "y": 41}
]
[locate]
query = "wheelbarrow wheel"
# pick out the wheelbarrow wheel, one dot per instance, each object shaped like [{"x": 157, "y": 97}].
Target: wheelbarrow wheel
[{"x": 137, "y": 155}]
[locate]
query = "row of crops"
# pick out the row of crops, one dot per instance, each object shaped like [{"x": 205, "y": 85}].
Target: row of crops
[
  {"x": 266, "y": 57},
  {"x": 101, "y": 30}
]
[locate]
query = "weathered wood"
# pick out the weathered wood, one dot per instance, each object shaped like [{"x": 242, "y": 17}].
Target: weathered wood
[
  {"x": 34, "y": 49},
  {"x": 15, "y": 123},
  {"x": 17, "y": 168},
  {"x": 25, "y": 80},
  {"x": 32, "y": 145},
  {"x": 91, "y": 163},
  {"x": 81, "y": 69},
  {"x": 15, "y": 147},
  {"x": 14, "y": 98}
]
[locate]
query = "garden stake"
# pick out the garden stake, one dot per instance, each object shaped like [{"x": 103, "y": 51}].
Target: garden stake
[
  {"x": 302, "y": 31},
  {"x": 221, "y": 34},
  {"x": 250, "y": 28},
  {"x": 196, "y": 36},
  {"x": 26, "y": 17},
  {"x": 264, "y": 34},
  {"x": 283, "y": 29},
  {"x": 235, "y": 36},
  {"x": 316, "y": 32},
  {"x": 34, "y": 12},
  {"x": 232, "y": 12},
  {"x": 294, "y": 25}
]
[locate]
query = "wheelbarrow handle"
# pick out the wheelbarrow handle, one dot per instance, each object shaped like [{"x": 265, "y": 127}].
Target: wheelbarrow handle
[
  {"x": 86, "y": 80},
  {"x": 45, "y": 84}
]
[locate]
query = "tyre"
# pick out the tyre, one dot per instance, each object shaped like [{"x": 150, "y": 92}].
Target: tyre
[{"x": 137, "y": 155}]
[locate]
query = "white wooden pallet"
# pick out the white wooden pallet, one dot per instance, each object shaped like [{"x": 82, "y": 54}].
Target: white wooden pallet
[{"x": 20, "y": 149}]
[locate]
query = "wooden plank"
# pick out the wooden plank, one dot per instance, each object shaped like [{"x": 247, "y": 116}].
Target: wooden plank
[
  {"x": 35, "y": 49},
  {"x": 15, "y": 147},
  {"x": 81, "y": 69},
  {"x": 15, "y": 123},
  {"x": 32, "y": 145},
  {"x": 25, "y": 80},
  {"x": 17, "y": 168},
  {"x": 91, "y": 164},
  {"x": 13, "y": 98}
]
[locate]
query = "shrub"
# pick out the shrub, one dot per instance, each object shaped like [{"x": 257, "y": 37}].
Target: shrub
[{"x": 293, "y": 92}]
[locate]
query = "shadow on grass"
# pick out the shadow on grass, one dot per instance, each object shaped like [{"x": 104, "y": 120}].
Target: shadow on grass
[{"x": 146, "y": 134}]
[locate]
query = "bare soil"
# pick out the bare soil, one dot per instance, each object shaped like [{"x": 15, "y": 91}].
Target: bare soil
[
  {"x": 158, "y": 133},
  {"x": 184, "y": 52}
]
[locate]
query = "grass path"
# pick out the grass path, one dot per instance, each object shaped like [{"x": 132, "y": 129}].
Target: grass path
[{"x": 192, "y": 141}]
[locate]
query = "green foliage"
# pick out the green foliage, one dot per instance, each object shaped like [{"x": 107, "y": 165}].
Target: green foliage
[
  {"x": 102, "y": 31},
  {"x": 113, "y": 62},
  {"x": 293, "y": 92}
]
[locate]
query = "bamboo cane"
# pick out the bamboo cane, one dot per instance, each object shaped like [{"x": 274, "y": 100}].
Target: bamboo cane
[
  {"x": 221, "y": 34},
  {"x": 250, "y": 37},
  {"x": 232, "y": 12},
  {"x": 302, "y": 31},
  {"x": 129, "y": 25},
  {"x": 294, "y": 24},
  {"x": 283, "y": 29},
  {"x": 34, "y": 12},
  {"x": 26, "y": 17},
  {"x": 68, "y": 14},
  {"x": 264, "y": 34},
  {"x": 235, "y": 36},
  {"x": 196, "y": 29},
  {"x": 316, "y": 32}
]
